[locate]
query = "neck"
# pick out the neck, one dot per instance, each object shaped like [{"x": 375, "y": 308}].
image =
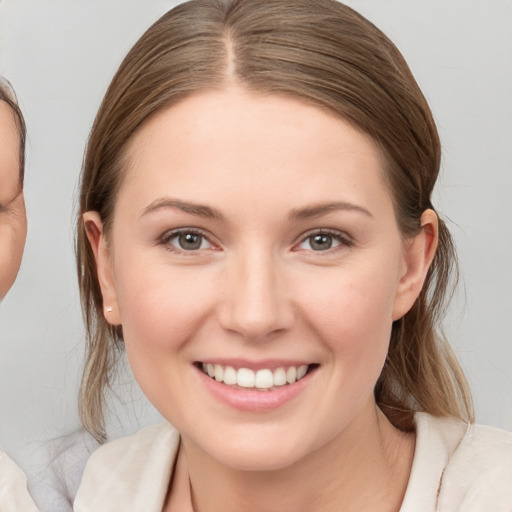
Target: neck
[{"x": 365, "y": 468}]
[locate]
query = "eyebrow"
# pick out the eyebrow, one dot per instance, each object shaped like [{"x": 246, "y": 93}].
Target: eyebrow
[
  {"x": 307, "y": 212},
  {"x": 192, "y": 208},
  {"x": 316, "y": 210}
]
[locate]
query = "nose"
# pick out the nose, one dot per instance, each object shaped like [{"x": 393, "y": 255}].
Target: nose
[{"x": 256, "y": 301}]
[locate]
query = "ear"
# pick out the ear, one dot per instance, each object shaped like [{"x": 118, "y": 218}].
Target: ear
[
  {"x": 94, "y": 230},
  {"x": 418, "y": 254}
]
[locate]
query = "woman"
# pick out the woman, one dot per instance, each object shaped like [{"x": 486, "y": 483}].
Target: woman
[
  {"x": 13, "y": 229},
  {"x": 13, "y": 220},
  {"x": 256, "y": 229}
]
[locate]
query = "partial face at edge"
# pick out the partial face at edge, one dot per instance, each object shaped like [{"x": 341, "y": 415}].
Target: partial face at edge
[
  {"x": 256, "y": 232},
  {"x": 13, "y": 220}
]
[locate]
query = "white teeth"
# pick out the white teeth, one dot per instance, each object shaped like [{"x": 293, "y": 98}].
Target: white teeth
[
  {"x": 219, "y": 373},
  {"x": 245, "y": 378},
  {"x": 279, "y": 377},
  {"x": 264, "y": 379},
  {"x": 291, "y": 375},
  {"x": 230, "y": 376},
  {"x": 301, "y": 371}
]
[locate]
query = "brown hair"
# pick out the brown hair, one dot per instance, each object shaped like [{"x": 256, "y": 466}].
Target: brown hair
[
  {"x": 7, "y": 96},
  {"x": 322, "y": 52}
]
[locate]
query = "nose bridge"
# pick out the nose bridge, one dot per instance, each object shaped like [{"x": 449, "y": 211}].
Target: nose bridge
[{"x": 256, "y": 303}]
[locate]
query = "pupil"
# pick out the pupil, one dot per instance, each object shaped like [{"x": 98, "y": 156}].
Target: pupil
[
  {"x": 190, "y": 241},
  {"x": 321, "y": 242}
]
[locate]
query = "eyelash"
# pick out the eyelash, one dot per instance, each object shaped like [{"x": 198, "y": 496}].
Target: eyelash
[
  {"x": 342, "y": 239},
  {"x": 166, "y": 239}
]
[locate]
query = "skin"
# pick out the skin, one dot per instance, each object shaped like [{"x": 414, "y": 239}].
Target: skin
[
  {"x": 13, "y": 220},
  {"x": 257, "y": 290}
]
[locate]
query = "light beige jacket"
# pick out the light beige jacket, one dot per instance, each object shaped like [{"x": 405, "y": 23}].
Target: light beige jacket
[
  {"x": 456, "y": 468},
  {"x": 14, "y": 496}
]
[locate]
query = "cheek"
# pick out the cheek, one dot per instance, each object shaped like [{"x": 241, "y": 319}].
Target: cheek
[
  {"x": 353, "y": 315},
  {"x": 161, "y": 308},
  {"x": 159, "y": 312},
  {"x": 12, "y": 242}
]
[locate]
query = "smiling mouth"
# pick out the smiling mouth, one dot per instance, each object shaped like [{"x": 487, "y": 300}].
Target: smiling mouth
[{"x": 265, "y": 379}]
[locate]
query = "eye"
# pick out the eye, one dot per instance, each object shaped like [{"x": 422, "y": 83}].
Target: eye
[
  {"x": 187, "y": 240},
  {"x": 323, "y": 241}
]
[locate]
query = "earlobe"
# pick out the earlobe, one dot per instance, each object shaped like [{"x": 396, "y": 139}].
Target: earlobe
[
  {"x": 419, "y": 252},
  {"x": 96, "y": 236}
]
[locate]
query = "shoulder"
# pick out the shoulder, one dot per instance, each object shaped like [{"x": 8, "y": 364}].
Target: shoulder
[
  {"x": 9, "y": 471},
  {"x": 13, "y": 487},
  {"x": 129, "y": 472},
  {"x": 473, "y": 463},
  {"x": 479, "y": 473},
  {"x": 487, "y": 446},
  {"x": 140, "y": 444},
  {"x": 481, "y": 446}
]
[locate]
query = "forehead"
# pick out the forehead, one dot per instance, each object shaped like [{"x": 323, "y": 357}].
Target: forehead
[
  {"x": 237, "y": 142},
  {"x": 210, "y": 115}
]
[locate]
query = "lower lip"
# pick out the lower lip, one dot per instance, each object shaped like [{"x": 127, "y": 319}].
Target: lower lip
[{"x": 252, "y": 400}]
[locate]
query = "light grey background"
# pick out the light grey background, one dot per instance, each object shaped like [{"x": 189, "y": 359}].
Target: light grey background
[{"x": 60, "y": 56}]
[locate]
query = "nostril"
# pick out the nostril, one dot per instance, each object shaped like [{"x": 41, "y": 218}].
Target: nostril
[
  {"x": 257, "y": 323},
  {"x": 255, "y": 304}
]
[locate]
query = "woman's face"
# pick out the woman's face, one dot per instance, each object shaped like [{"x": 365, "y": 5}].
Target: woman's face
[
  {"x": 254, "y": 237},
  {"x": 13, "y": 220}
]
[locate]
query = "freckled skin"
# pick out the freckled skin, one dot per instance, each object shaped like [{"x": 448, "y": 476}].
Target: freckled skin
[
  {"x": 256, "y": 288},
  {"x": 13, "y": 221}
]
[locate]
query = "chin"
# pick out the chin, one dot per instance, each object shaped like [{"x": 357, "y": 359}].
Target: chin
[
  {"x": 253, "y": 452},
  {"x": 258, "y": 460}
]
